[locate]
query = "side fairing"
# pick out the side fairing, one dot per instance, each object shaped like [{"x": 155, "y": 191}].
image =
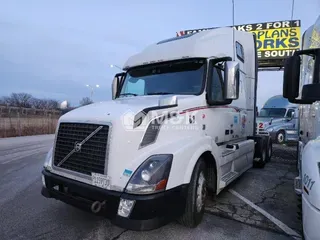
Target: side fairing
[
  {"x": 309, "y": 122},
  {"x": 310, "y": 172}
]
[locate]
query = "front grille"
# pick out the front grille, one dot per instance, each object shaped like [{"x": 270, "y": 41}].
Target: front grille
[{"x": 91, "y": 157}]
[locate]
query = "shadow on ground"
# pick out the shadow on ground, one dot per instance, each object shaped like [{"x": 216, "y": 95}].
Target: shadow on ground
[{"x": 270, "y": 188}]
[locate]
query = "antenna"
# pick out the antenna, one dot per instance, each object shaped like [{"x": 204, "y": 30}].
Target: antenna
[{"x": 234, "y": 55}]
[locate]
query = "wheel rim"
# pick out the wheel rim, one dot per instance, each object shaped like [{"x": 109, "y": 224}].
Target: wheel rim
[
  {"x": 201, "y": 192},
  {"x": 280, "y": 137}
]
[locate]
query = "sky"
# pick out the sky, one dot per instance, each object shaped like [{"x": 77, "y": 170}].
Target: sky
[{"x": 52, "y": 49}]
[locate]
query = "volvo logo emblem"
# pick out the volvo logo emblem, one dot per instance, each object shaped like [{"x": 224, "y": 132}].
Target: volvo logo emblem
[{"x": 77, "y": 147}]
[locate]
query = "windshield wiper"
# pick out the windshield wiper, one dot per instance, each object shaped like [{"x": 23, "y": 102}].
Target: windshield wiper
[
  {"x": 159, "y": 93},
  {"x": 128, "y": 94}
]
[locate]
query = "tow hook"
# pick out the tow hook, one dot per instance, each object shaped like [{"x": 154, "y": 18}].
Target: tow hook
[{"x": 97, "y": 206}]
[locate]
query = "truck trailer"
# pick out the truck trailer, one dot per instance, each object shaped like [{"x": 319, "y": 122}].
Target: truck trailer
[
  {"x": 301, "y": 86},
  {"x": 181, "y": 125}
]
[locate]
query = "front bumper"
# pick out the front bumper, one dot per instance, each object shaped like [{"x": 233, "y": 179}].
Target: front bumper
[
  {"x": 149, "y": 212},
  {"x": 273, "y": 135}
]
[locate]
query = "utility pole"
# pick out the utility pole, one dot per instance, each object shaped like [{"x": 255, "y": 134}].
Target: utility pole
[
  {"x": 234, "y": 51},
  {"x": 115, "y": 66},
  {"x": 292, "y": 9},
  {"x": 92, "y": 90}
]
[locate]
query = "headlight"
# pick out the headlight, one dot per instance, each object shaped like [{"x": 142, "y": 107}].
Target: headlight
[
  {"x": 152, "y": 175},
  {"x": 48, "y": 160}
]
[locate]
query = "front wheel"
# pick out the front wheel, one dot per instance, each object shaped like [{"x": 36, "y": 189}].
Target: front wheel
[
  {"x": 280, "y": 137},
  {"x": 269, "y": 150},
  {"x": 196, "y": 197},
  {"x": 260, "y": 153}
]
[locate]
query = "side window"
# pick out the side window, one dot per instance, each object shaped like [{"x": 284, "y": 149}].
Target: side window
[
  {"x": 289, "y": 113},
  {"x": 239, "y": 51},
  {"x": 216, "y": 86},
  {"x": 135, "y": 86}
]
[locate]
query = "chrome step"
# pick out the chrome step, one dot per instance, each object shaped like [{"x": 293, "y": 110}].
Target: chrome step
[{"x": 228, "y": 177}]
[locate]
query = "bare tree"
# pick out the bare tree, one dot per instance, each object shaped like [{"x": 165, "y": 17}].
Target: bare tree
[
  {"x": 2, "y": 101},
  {"x": 37, "y": 103},
  {"x": 85, "y": 101},
  {"x": 51, "y": 104},
  {"x": 44, "y": 103},
  {"x": 26, "y": 100},
  {"x": 19, "y": 100}
]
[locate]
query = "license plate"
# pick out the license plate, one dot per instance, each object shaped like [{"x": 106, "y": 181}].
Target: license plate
[
  {"x": 100, "y": 180},
  {"x": 297, "y": 185}
]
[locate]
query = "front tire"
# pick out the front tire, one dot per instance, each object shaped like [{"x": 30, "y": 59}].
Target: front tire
[
  {"x": 280, "y": 137},
  {"x": 269, "y": 150},
  {"x": 261, "y": 153},
  {"x": 196, "y": 197}
]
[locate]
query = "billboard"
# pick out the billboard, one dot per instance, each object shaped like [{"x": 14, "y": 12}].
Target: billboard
[{"x": 275, "y": 40}]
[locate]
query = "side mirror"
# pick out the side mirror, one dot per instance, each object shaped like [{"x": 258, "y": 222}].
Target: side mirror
[
  {"x": 292, "y": 115},
  {"x": 116, "y": 83},
  {"x": 231, "y": 80},
  {"x": 310, "y": 73},
  {"x": 291, "y": 77},
  {"x": 270, "y": 122}
]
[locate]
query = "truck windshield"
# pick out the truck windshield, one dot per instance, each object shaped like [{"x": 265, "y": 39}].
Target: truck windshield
[
  {"x": 183, "y": 77},
  {"x": 272, "y": 112}
]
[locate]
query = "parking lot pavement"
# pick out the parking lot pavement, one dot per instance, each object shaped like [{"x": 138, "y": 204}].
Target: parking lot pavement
[
  {"x": 15, "y": 148},
  {"x": 211, "y": 228},
  {"x": 25, "y": 214},
  {"x": 270, "y": 188}
]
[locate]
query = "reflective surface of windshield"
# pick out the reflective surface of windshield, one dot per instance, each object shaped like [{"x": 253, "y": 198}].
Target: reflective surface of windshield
[
  {"x": 272, "y": 112},
  {"x": 183, "y": 77}
]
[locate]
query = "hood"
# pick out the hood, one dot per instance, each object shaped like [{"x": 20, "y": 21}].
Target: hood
[
  {"x": 110, "y": 110},
  {"x": 266, "y": 121},
  {"x": 263, "y": 119}
]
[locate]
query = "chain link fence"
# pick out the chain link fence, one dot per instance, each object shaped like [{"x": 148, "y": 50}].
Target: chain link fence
[{"x": 16, "y": 121}]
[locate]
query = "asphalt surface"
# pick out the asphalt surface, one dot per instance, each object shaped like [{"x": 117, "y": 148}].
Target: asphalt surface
[{"x": 25, "y": 214}]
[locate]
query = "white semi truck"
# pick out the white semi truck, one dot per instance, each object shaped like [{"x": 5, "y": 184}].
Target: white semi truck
[
  {"x": 181, "y": 123},
  {"x": 302, "y": 86}
]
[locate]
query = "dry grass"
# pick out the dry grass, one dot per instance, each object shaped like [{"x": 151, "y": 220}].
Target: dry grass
[{"x": 26, "y": 126}]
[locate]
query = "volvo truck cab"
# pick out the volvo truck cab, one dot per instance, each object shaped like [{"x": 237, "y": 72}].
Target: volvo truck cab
[{"x": 180, "y": 125}]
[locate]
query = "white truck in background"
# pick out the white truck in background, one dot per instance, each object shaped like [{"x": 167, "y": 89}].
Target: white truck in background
[
  {"x": 182, "y": 122},
  {"x": 302, "y": 86}
]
